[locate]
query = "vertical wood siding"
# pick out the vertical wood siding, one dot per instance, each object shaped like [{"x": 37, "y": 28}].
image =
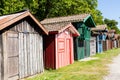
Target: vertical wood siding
[
  {"x": 49, "y": 51},
  {"x": 93, "y": 46},
  {"x": 0, "y": 57},
  {"x": 12, "y": 55},
  {"x": 30, "y": 54},
  {"x": 104, "y": 45}
]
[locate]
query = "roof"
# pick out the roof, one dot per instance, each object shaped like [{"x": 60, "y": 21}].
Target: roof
[
  {"x": 100, "y": 28},
  {"x": 73, "y": 18},
  {"x": 55, "y": 26},
  {"x": 60, "y": 27},
  {"x": 111, "y": 31},
  {"x": 8, "y": 20},
  {"x": 117, "y": 36}
]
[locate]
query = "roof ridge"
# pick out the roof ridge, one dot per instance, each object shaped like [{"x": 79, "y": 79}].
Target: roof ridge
[{"x": 67, "y": 16}]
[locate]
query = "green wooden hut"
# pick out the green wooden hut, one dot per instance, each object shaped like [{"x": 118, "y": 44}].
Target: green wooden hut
[{"x": 82, "y": 43}]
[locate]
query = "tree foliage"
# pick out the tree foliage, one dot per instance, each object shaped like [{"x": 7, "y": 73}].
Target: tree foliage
[
  {"x": 112, "y": 24},
  {"x": 10, "y": 6},
  {"x": 70, "y": 7},
  {"x": 53, "y": 8}
]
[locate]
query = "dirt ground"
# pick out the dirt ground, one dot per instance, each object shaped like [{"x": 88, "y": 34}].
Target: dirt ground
[{"x": 114, "y": 70}]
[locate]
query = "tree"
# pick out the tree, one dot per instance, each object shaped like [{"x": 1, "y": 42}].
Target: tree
[
  {"x": 112, "y": 24},
  {"x": 10, "y": 6},
  {"x": 70, "y": 7}
]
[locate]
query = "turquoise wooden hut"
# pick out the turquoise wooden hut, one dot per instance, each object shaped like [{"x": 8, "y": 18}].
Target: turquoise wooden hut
[{"x": 83, "y": 24}]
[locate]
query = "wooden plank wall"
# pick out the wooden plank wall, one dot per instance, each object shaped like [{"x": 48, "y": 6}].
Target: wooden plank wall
[
  {"x": 0, "y": 56},
  {"x": 30, "y": 50},
  {"x": 105, "y": 45},
  {"x": 93, "y": 46}
]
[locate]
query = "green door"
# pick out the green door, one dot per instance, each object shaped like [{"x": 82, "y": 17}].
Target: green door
[
  {"x": 80, "y": 49},
  {"x": 87, "y": 48}
]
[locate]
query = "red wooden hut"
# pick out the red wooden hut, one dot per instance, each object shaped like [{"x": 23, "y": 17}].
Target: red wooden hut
[{"x": 58, "y": 46}]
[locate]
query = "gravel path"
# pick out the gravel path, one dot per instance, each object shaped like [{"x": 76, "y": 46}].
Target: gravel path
[{"x": 114, "y": 69}]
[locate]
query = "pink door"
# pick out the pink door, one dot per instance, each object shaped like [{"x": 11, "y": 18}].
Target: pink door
[
  {"x": 68, "y": 52},
  {"x": 61, "y": 52}
]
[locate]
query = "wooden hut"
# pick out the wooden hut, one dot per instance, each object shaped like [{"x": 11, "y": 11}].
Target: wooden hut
[
  {"x": 110, "y": 39},
  {"x": 58, "y": 46},
  {"x": 100, "y": 33},
  {"x": 116, "y": 41},
  {"x": 21, "y": 46},
  {"x": 82, "y": 23}
]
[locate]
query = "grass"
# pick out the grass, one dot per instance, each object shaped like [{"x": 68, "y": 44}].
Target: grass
[{"x": 89, "y": 70}]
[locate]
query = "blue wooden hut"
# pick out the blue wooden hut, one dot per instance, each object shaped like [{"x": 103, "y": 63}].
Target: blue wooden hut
[{"x": 100, "y": 32}]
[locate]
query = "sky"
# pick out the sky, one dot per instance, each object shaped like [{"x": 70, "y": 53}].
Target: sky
[{"x": 110, "y": 9}]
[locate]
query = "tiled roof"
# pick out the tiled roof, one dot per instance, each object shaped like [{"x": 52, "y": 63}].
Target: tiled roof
[
  {"x": 7, "y": 20},
  {"x": 55, "y": 26},
  {"x": 111, "y": 31},
  {"x": 74, "y": 18},
  {"x": 59, "y": 27}
]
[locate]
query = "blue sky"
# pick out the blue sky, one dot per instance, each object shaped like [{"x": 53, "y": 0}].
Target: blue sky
[{"x": 110, "y": 9}]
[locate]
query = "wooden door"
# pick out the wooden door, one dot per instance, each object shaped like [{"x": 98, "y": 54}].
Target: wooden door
[
  {"x": 12, "y": 55},
  {"x": 87, "y": 48},
  {"x": 68, "y": 52},
  {"x": 61, "y": 52}
]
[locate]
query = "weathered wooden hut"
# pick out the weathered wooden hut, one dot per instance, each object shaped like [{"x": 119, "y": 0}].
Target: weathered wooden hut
[
  {"x": 110, "y": 39},
  {"x": 58, "y": 46},
  {"x": 116, "y": 40},
  {"x": 21, "y": 46},
  {"x": 100, "y": 33},
  {"x": 117, "y": 37},
  {"x": 83, "y": 23}
]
